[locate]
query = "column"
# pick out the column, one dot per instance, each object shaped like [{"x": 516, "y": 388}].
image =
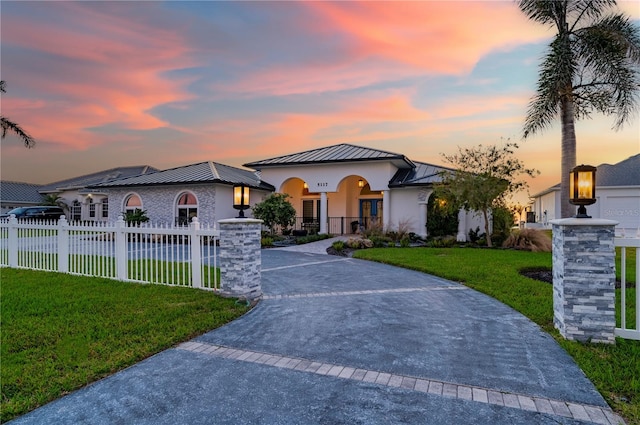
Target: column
[
  {"x": 386, "y": 210},
  {"x": 462, "y": 226},
  {"x": 584, "y": 279},
  {"x": 422, "y": 226},
  {"x": 240, "y": 258},
  {"x": 323, "y": 212}
]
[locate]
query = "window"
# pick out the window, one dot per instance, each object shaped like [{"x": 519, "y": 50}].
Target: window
[
  {"x": 76, "y": 211},
  {"x": 92, "y": 208},
  {"x": 187, "y": 208},
  {"x": 132, "y": 203},
  {"x": 105, "y": 208}
]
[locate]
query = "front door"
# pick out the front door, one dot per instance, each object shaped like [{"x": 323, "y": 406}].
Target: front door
[{"x": 370, "y": 212}]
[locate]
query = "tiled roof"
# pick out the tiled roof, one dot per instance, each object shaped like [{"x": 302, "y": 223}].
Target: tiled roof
[
  {"x": 203, "y": 172},
  {"x": 337, "y": 153},
  {"x": 20, "y": 192},
  {"x": 422, "y": 174},
  {"x": 624, "y": 173},
  {"x": 82, "y": 182}
]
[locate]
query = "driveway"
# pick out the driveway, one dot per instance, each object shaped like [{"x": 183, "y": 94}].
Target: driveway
[{"x": 343, "y": 341}]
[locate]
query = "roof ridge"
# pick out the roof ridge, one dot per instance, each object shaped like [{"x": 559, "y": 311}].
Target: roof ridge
[{"x": 214, "y": 169}]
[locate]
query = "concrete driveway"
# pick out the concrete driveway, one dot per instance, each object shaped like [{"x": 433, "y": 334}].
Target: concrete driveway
[{"x": 342, "y": 341}]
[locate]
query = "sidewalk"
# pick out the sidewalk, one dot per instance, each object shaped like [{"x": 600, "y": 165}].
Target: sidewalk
[{"x": 342, "y": 341}]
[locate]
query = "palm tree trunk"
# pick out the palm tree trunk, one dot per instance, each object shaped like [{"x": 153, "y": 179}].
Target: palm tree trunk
[{"x": 568, "y": 155}]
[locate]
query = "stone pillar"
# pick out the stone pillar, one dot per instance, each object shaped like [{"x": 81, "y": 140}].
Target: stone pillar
[
  {"x": 584, "y": 279},
  {"x": 240, "y": 258}
]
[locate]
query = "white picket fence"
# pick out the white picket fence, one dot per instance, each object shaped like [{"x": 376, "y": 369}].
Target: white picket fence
[
  {"x": 623, "y": 331},
  {"x": 184, "y": 256}
]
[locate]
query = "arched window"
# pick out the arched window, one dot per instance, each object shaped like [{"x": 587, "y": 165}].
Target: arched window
[
  {"x": 187, "y": 208},
  {"x": 76, "y": 211},
  {"x": 132, "y": 203}
]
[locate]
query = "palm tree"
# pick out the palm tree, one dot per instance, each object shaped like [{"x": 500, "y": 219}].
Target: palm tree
[
  {"x": 591, "y": 65},
  {"x": 8, "y": 125}
]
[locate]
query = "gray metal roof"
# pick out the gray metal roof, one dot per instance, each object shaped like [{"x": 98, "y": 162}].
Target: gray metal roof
[
  {"x": 202, "y": 172},
  {"x": 423, "y": 174},
  {"x": 19, "y": 192},
  {"x": 331, "y": 154},
  {"x": 93, "y": 179}
]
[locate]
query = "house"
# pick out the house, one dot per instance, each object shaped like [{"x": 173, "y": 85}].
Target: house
[
  {"x": 82, "y": 203},
  {"x": 176, "y": 195},
  {"x": 617, "y": 196},
  {"x": 339, "y": 188},
  {"x": 18, "y": 194}
]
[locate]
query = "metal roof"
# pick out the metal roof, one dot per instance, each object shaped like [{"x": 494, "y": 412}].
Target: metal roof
[
  {"x": 423, "y": 174},
  {"x": 86, "y": 180},
  {"x": 331, "y": 154},
  {"x": 202, "y": 172},
  {"x": 20, "y": 192}
]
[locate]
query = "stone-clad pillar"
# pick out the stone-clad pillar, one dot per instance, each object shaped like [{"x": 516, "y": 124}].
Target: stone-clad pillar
[
  {"x": 584, "y": 279},
  {"x": 240, "y": 258}
]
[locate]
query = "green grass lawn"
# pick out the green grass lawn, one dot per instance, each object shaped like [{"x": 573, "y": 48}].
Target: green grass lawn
[
  {"x": 614, "y": 369},
  {"x": 60, "y": 332}
]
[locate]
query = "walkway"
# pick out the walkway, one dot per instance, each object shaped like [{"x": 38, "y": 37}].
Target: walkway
[{"x": 343, "y": 341}]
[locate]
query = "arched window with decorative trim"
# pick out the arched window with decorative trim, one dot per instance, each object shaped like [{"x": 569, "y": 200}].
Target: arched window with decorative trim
[
  {"x": 132, "y": 203},
  {"x": 186, "y": 208}
]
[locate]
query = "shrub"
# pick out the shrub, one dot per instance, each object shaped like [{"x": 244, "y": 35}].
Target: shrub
[
  {"x": 357, "y": 243},
  {"x": 266, "y": 241},
  {"x": 405, "y": 242},
  {"x": 312, "y": 238},
  {"x": 528, "y": 240},
  {"x": 338, "y": 245},
  {"x": 442, "y": 242},
  {"x": 475, "y": 235},
  {"x": 275, "y": 210}
]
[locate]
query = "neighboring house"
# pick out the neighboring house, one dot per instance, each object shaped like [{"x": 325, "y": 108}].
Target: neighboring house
[
  {"x": 617, "y": 194},
  {"x": 176, "y": 195},
  {"x": 18, "y": 194},
  {"x": 81, "y": 203},
  {"x": 338, "y": 185}
]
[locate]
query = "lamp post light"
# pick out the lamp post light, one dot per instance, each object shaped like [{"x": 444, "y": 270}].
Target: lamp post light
[
  {"x": 240, "y": 198},
  {"x": 582, "y": 188},
  {"x": 360, "y": 183}
]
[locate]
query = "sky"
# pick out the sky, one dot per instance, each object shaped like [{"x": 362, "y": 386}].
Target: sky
[{"x": 107, "y": 84}]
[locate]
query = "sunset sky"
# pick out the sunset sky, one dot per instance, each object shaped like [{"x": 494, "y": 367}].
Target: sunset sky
[{"x": 107, "y": 84}]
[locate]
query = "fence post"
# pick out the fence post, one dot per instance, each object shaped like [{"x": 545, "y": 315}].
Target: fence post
[
  {"x": 63, "y": 245},
  {"x": 121, "y": 249},
  {"x": 584, "y": 279},
  {"x": 13, "y": 241},
  {"x": 240, "y": 258},
  {"x": 196, "y": 260}
]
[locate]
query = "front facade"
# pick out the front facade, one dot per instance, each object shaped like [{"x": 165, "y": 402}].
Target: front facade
[
  {"x": 342, "y": 188},
  {"x": 617, "y": 197}
]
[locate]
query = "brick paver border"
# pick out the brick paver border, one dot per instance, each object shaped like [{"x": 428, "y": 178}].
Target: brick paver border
[{"x": 595, "y": 414}]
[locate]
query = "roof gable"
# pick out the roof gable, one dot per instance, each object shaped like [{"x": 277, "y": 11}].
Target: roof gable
[
  {"x": 331, "y": 154},
  {"x": 624, "y": 173},
  {"x": 423, "y": 174}
]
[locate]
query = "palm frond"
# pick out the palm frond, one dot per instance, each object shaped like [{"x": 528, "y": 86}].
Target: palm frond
[{"x": 8, "y": 125}]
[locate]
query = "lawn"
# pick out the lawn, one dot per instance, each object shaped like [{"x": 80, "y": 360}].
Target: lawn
[
  {"x": 61, "y": 332},
  {"x": 614, "y": 369}
]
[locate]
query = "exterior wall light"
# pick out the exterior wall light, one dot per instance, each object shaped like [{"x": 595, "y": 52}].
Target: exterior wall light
[
  {"x": 360, "y": 183},
  {"x": 582, "y": 188},
  {"x": 240, "y": 198},
  {"x": 305, "y": 185}
]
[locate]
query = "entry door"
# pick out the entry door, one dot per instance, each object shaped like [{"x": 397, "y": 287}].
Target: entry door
[{"x": 370, "y": 212}]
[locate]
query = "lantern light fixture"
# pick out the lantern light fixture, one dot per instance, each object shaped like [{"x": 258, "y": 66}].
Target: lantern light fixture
[
  {"x": 360, "y": 183},
  {"x": 582, "y": 188},
  {"x": 305, "y": 185},
  {"x": 240, "y": 198}
]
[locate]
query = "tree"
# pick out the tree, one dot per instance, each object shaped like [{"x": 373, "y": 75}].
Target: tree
[
  {"x": 441, "y": 221},
  {"x": 275, "y": 210},
  {"x": 482, "y": 179},
  {"x": 52, "y": 199},
  {"x": 8, "y": 125},
  {"x": 591, "y": 65}
]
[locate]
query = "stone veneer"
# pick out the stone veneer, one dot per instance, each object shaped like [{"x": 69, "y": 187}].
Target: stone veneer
[
  {"x": 240, "y": 258},
  {"x": 584, "y": 279},
  {"x": 161, "y": 202}
]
